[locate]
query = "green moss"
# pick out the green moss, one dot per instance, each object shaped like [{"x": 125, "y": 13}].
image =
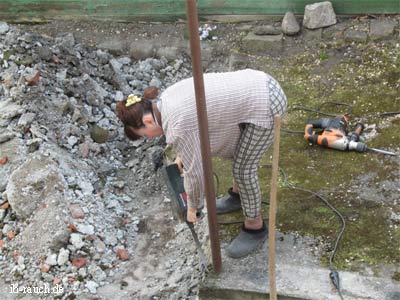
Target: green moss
[
  {"x": 396, "y": 276},
  {"x": 369, "y": 82}
]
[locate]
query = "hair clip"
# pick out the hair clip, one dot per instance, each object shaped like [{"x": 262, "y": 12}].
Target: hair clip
[{"x": 132, "y": 99}]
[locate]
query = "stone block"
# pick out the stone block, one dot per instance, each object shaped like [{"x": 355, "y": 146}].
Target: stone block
[{"x": 262, "y": 44}]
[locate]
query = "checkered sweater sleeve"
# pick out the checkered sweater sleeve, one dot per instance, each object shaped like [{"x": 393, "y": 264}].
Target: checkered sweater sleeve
[{"x": 188, "y": 148}]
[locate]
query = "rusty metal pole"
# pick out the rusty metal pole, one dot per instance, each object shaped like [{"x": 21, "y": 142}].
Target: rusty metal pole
[{"x": 191, "y": 13}]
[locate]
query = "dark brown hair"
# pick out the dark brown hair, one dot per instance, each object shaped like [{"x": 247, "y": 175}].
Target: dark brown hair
[{"x": 132, "y": 116}]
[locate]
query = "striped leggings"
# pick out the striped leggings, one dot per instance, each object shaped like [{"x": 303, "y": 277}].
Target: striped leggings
[{"x": 254, "y": 141}]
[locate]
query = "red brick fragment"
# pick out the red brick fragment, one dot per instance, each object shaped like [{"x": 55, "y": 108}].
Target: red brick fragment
[
  {"x": 72, "y": 227},
  {"x": 123, "y": 254},
  {"x": 5, "y": 205},
  {"x": 79, "y": 262},
  {"x": 33, "y": 79},
  {"x": 3, "y": 160}
]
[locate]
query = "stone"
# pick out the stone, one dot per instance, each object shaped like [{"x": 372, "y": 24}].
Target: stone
[
  {"x": 290, "y": 26},
  {"x": 99, "y": 245},
  {"x": 30, "y": 182},
  {"x": 85, "y": 229},
  {"x": 16, "y": 151},
  {"x": 45, "y": 53},
  {"x": 63, "y": 257},
  {"x": 262, "y": 44},
  {"x": 86, "y": 187},
  {"x": 26, "y": 120},
  {"x": 6, "y": 135},
  {"x": 267, "y": 30},
  {"x": 92, "y": 286},
  {"x": 4, "y": 27},
  {"x": 119, "y": 96},
  {"x": 76, "y": 240},
  {"x": 98, "y": 134},
  {"x": 84, "y": 149},
  {"x": 66, "y": 40},
  {"x": 76, "y": 211},
  {"x": 169, "y": 52},
  {"x": 382, "y": 29},
  {"x": 142, "y": 49},
  {"x": 8, "y": 111},
  {"x": 110, "y": 239},
  {"x": 352, "y": 35},
  {"x": 319, "y": 15},
  {"x": 97, "y": 273},
  {"x": 72, "y": 140},
  {"x": 51, "y": 260},
  {"x": 155, "y": 82}
]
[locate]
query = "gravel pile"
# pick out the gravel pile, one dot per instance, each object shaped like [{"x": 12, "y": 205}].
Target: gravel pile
[{"x": 81, "y": 206}]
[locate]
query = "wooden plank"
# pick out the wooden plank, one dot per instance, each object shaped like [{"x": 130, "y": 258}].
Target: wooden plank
[{"x": 164, "y": 9}]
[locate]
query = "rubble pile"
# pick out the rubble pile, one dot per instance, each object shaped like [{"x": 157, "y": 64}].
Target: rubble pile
[{"x": 81, "y": 206}]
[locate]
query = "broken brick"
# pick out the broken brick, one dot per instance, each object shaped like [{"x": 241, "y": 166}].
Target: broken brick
[
  {"x": 123, "y": 254},
  {"x": 3, "y": 160},
  {"x": 5, "y": 205},
  {"x": 33, "y": 79},
  {"x": 72, "y": 227},
  {"x": 79, "y": 262}
]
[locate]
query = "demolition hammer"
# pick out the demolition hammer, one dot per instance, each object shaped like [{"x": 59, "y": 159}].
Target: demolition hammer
[
  {"x": 335, "y": 135},
  {"x": 174, "y": 181}
]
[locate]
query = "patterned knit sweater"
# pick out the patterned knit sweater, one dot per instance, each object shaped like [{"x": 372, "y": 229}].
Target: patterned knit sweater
[{"x": 231, "y": 98}]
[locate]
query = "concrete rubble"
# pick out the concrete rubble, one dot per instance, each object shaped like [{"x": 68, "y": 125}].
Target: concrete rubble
[{"x": 77, "y": 191}]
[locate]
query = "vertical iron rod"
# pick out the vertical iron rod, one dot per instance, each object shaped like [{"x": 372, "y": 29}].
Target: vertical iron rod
[
  {"x": 192, "y": 19},
  {"x": 272, "y": 210}
]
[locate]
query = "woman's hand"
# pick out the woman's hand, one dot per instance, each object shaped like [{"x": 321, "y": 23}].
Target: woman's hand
[
  {"x": 178, "y": 162},
  {"x": 191, "y": 215}
]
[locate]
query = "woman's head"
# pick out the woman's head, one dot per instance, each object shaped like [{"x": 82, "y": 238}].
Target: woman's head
[{"x": 137, "y": 116}]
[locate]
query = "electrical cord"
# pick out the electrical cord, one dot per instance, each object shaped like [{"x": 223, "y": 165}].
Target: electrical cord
[{"x": 333, "y": 275}]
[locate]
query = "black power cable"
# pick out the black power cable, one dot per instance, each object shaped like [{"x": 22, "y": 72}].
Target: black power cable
[{"x": 333, "y": 275}]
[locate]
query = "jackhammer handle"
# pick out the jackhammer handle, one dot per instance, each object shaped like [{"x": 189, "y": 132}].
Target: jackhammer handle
[
  {"x": 309, "y": 133},
  {"x": 355, "y": 135},
  {"x": 359, "y": 128},
  {"x": 320, "y": 123}
]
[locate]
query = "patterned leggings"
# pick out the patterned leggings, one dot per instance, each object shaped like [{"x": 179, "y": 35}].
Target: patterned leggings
[{"x": 254, "y": 141}]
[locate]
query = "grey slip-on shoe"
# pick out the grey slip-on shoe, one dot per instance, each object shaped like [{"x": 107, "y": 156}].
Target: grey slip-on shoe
[
  {"x": 246, "y": 242},
  {"x": 228, "y": 203}
]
